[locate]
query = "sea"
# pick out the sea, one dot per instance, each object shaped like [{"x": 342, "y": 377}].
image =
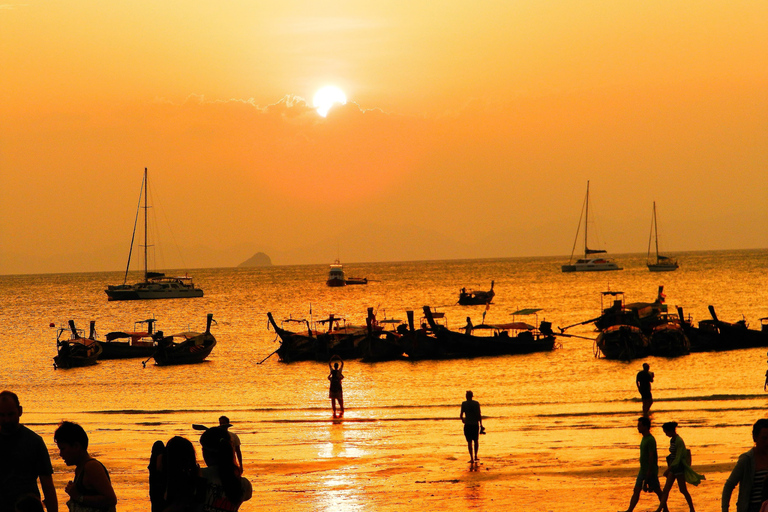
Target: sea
[{"x": 558, "y": 414}]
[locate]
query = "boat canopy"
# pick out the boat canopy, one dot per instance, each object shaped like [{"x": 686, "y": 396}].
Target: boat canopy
[
  {"x": 527, "y": 311},
  {"x": 120, "y": 334},
  {"x": 518, "y": 326}
]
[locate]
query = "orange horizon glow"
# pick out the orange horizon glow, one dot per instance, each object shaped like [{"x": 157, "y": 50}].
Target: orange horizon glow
[{"x": 472, "y": 125}]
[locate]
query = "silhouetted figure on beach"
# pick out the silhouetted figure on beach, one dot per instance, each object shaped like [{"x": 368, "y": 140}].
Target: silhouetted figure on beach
[
  {"x": 473, "y": 425},
  {"x": 223, "y": 487},
  {"x": 157, "y": 477},
  {"x": 335, "y": 392},
  {"x": 23, "y": 459},
  {"x": 91, "y": 488},
  {"x": 225, "y": 424},
  {"x": 183, "y": 488},
  {"x": 678, "y": 467},
  {"x": 643, "y": 382},
  {"x": 750, "y": 473},
  {"x": 648, "y": 476}
]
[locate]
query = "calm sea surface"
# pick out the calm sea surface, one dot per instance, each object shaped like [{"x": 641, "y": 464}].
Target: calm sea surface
[{"x": 399, "y": 413}]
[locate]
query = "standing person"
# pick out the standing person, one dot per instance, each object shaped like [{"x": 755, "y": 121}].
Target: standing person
[
  {"x": 24, "y": 459},
  {"x": 643, "y": 382},
  {"x": 473, "y": 425},
  {"x": 225, "y": 424},
  {"x": 91, "y": 489},
  {"x": 224, "y": 489},
  {"x": 679, "y": 467},
  {"x": 157, "y": 478},
  {"x": 468, "y": 328},
  {"x": 750, "y": 473},
  {"x": 182, "y": 476},
  {"x": 648, "y": 476},
  {"x": 335, "y": 393}
]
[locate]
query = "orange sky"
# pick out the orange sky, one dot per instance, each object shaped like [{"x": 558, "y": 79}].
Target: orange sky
[{"x": 471, "y": 128}]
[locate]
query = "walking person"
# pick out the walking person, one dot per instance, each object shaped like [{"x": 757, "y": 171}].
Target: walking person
[
  {"x": 643, "y": 382},
  {"x": 335, "y": 393},
  {"x": 750, "y": 473},
  {"x": 648, "y": 476},
  {"x": 91, "y": 490},
  {"x": 473, "y": 425},
  {"x": 24, "y": 459},
  {"x": 678, "y": 467}
]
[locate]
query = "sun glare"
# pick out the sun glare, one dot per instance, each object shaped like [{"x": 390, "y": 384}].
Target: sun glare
[{"x": 327, "y": 97}]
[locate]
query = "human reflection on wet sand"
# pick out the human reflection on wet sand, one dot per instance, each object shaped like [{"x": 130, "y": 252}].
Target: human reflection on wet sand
[
  {"x": 473, "y": 491},
  {"x": 338, "y": 491}
]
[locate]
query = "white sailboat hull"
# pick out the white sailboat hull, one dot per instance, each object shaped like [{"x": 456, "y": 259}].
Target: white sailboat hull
[{"x": 591, "y": 266}]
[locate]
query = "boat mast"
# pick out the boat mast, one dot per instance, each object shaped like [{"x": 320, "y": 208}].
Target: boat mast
[
  {"x": 586, "y": 221},
  {"x": 656, "y": 231},
  {"x": 146, "y": 279}
]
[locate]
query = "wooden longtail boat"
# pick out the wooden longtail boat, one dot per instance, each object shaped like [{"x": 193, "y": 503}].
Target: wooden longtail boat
[
  {"x": 185, "y": 347},
  {"x": 76, "y": 351},
  {"x": 476, "y": 297}
]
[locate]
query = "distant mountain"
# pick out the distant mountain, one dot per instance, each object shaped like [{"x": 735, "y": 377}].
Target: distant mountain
[{"x": 257, "y": 260}]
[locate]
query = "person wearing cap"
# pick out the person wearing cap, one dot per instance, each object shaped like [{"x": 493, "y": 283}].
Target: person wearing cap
[{"x": 225, "y": 424}]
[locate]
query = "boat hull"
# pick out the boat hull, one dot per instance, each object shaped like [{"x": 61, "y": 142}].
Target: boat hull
[
  {"x": 662, "y": 267},
  {"x": 72, "y": 354},
  {"x": 141, "y": 291},
  {"x": 124, "y": 350},
  {"x": 193, "y": 350},
  {"x": 591, "y": 267},
  {"x": 622, "y": 342}
]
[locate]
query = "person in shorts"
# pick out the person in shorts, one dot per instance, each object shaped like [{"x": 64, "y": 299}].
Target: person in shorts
[
  {"x": 643, "y": 382},
  {"x": 473, "y": 425}
]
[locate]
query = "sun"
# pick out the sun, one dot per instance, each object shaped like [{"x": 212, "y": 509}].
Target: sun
[{"x": 327, "y": 97}]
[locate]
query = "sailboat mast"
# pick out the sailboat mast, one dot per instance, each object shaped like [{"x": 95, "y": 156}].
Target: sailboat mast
[
  {"x": 656, "y": 231},
  {"x": 146, "y": 278},
  {"x": 586, "y": 221}
]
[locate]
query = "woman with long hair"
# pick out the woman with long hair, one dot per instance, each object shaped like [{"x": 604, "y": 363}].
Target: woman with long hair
[
  {"x": 224, "y": 489},
  {"x": 678, "y": 467},
  {"x": 182, "y": 475}
]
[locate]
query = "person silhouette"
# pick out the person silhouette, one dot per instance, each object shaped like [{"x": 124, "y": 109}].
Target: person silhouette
[
  {"x": 677, "y": 466},
  {"x": 643, "y": 383},
  {"x": 335, "y": 393},
  {"x": 24, "y": 459},
  {"x": 473, "y": 425},
  {"x": 225, "y": 424},
  {"x": 91, "y": 488},
  {"x": 749, "y": 473},
  {"x": 648, "y": 476},
  {"x": 223, "y": 487}
]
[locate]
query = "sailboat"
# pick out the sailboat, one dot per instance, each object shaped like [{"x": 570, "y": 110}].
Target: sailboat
[
  {"x": 156, "y": 285},
  {"x": 663, "y": 263},
  {"x": 588, "y": 263}
]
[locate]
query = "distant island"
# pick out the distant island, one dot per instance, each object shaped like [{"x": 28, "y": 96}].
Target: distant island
[{"x": 257, "y": 260}]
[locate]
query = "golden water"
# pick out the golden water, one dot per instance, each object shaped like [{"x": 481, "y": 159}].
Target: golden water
[{"x": 400, "y": 447}]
